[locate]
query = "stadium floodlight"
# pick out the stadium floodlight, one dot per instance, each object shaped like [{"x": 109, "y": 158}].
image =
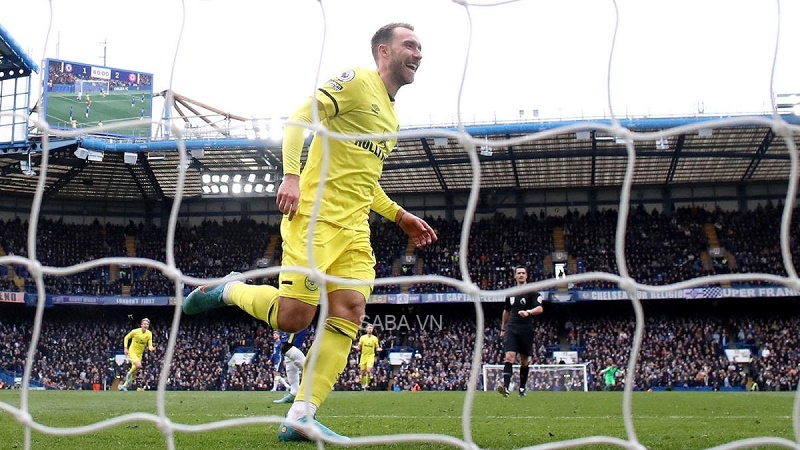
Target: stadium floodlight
[
  {"x": 81, "y": 153},
  {"x": 94, "y": 156},
  {"x": 206, "y": 189},
  {"x": 26, "y": 167},
  {"x": 240, "y": 184},
  {"x": 215, "y": 189}
]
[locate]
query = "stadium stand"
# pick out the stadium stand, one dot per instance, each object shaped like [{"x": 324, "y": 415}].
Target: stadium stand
[{"x": 683, "y": 345}]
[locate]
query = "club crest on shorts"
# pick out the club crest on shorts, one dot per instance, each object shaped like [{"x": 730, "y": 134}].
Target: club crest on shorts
[{"x": 310, "y": 285}]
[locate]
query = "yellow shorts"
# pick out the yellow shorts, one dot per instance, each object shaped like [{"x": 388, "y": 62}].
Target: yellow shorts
[
  {"x": 367, "y": 363},
  {"x": 338, "y": 252},
  {"x": 135, "y": 356}
]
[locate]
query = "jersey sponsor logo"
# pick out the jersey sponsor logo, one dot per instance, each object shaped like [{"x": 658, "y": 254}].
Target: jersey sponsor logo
[
  {"x": 347, "y": 76},
  {"x": 376, "y": 109},
  {"x": 310, "y": 285},
  {"x": 335, "y": 85},
  {"x": 376, "y": 148}
]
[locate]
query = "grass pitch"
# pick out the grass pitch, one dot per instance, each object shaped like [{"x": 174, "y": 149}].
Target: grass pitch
[
  {"x": 118, "y": 106},
  {"x": 663, "y": 420}
]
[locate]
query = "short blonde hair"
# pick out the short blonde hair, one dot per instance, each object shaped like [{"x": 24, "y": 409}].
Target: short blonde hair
[{"x": 145, "y": 320}]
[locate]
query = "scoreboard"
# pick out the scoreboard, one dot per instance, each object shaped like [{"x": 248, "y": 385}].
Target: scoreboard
[
  {"x": 80, "y": 95},
  {"x": 85, "y": 71}
]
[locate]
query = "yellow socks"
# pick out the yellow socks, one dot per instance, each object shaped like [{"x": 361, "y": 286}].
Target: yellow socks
[
  {"x": 131, "y": 373},
  {"x": 258, "y": 301},
  {"x": 333, "y": 346}
]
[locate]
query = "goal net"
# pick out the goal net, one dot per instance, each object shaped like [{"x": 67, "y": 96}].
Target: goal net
[
  {"x": 90, "y": 87},
  {"x": 542, "y": 377},
  {"x": 475, "y": 166}
]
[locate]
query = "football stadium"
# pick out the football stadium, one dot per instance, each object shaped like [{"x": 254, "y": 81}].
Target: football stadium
[{"x": 173, "y": 275}]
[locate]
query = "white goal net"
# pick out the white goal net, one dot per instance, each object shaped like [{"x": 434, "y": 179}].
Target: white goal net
[
  {"x": 571, "y": 376},
  {"x": 541, "y": 377},
  {"x": 85, "y": 87}
]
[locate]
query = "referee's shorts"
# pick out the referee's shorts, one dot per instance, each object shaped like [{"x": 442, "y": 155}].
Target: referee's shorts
[{"x": 518, "y": 340}]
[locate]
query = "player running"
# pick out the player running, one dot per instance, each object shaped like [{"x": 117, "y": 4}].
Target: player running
[{"x": 138, "y": 339}]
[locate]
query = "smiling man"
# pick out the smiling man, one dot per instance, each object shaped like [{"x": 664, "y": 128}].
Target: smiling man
[{"x": 355, "y": 102}]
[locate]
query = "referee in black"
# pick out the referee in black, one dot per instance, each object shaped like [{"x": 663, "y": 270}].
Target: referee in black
[{"x": 517, "y": 332}]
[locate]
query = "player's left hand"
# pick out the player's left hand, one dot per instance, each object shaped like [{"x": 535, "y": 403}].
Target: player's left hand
[
  {"x": 420, "y": 232},
  {"x": 289, "y": 195}
]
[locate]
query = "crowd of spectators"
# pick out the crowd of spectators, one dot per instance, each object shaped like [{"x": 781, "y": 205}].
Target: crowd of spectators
[
  {"x": 78, "y": 347},
  {"x": 660, "y": 248}
]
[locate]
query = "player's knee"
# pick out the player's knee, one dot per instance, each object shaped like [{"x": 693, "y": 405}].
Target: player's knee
[
  {"x": 294, "y": 315},
  {"x": 347, "y": 304}
]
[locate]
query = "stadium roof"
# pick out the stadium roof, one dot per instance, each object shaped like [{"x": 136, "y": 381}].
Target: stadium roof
[
  {"x": 565, "y": 155},
  {"x": 512, "y": 156},
  {"x": 13, "y": 59}
]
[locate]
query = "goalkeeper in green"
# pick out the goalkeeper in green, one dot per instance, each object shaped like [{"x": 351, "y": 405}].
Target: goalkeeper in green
[{"x": 134, "y": 344}]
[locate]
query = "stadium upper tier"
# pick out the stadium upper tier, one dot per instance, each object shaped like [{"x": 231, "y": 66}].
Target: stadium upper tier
[{"x": 512, "y": 157}]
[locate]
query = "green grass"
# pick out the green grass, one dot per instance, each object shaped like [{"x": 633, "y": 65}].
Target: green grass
[
  {"x": 663, "y": 420},
  {"x": 114, "y": 108}
]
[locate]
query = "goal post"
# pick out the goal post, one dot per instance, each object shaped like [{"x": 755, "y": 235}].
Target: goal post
[
  {"x": 91, "y": 86},
  {"x": 542, "y": 377}
]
